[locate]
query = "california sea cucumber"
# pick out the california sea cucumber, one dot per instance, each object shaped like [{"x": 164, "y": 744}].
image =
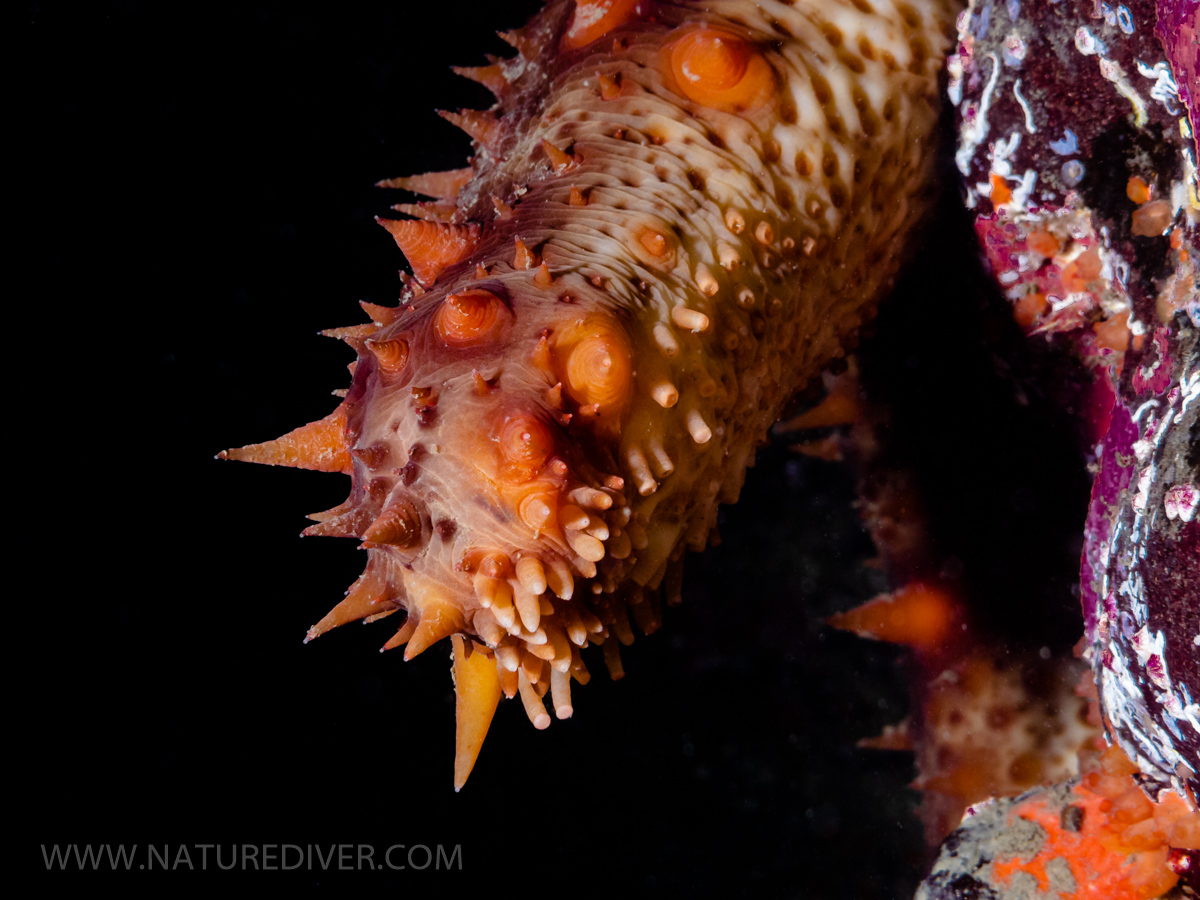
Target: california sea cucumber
[{"x": 676, "y": 215}]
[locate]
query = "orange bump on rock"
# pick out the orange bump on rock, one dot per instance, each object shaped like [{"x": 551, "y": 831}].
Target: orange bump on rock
[
  {"x": 1113, "y": 334},
  {"x": 470, "y": 318},
  {"x": 1137, "y": 190},
  {"x": 1119, "y": 846},
  {"x": 1151, "y": 219},
  {"x": 1000, "y": 192},
  {"x": 592, "y": 19},
  {"x": 1082, "y": 271},
  {"x": 1043, "y": 242},
  {"x": 1028, "y": 308},
  {"x": 721, "y": 70}
]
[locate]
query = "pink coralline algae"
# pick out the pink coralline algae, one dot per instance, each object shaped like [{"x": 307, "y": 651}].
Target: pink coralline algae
[
  {"x": 1178, "y": 27},
  {"x": 1087, "y": 213}
]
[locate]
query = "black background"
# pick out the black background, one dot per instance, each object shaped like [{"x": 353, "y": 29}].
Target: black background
[{"x": 200, "y": 179}]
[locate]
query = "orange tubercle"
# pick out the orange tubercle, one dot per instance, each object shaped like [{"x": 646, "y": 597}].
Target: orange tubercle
[
  {"x": 470, "y": 318},
  {"x": 595, "y": 363},
  {"x": 399, "y": 525},
  {"x": 392, "y": 354},
  {"x": 593, "y": 19},
  {"x": 721, "y": 70},
  {"x": 430, "y": 247},
  {"x": 525, "y": 443}
]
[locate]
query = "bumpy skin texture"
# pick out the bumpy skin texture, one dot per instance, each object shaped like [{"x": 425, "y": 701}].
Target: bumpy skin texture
[{"x": 677, "y": 215}]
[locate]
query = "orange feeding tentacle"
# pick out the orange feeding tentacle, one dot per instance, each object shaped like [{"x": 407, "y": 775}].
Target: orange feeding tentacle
[
  {"x": 430, "y": 247},
  {"x": 593, "y": 19},
  {"x": 319, "y": 445},
  {"x": 392, "y": 354},
  {"x": 470, "y": 318},
  {"x": 721, "y": 70}
]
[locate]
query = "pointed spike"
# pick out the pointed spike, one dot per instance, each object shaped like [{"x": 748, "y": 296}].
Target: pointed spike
[
  {"x": 893, "y": 737},
  {"x": 380, "y": 315},
  {"x": 919, "y": 615},
  {"x": 327, "y": 514},
  {"x": 350, "y": 524},
  {"x": 375, "y": 617},
  {"x": 577, "y": 198},
  {"x": 398, "y": 525},
  {"x": 829, "y": 448},
  {"x": 609, "y": 89},
  {"x": 430, "y": 247},
  {"x": 350, "y": 333},
  {"x": 439, "y": 185},
  {"x": 840, "y": 407},
  {"x": 367, "y": 596},
  {"x": 439, "y": 618},
  {"x": 491, "y": 77},
  {"x": 519, "y": 42},
  {"x": 430, "y": 212},
  {"x": 481, "y": 126},
  {"x": 522, "y": 257},
  {"x": 319, "y": 445},
  {"x": 401, "y": 637},
  {"x": 477, "y": 694},
  {"x": 561, "y": 160}
]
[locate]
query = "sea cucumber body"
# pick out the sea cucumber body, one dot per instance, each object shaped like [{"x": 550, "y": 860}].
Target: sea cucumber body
[{"x": 676, "y": 216}]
